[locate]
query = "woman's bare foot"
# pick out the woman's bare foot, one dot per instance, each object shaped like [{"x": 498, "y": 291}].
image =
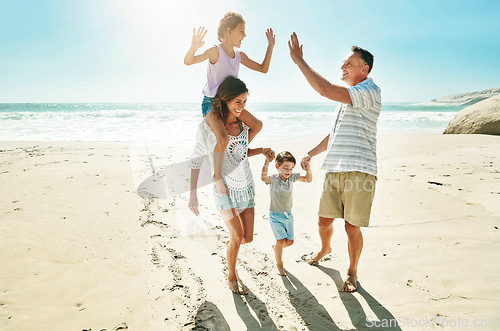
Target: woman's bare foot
[
  {"x": 235, "y": 287},
  {"x": 350, "y": 284}
]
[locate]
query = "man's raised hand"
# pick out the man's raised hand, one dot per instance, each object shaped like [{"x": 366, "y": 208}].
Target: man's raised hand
[{"x": 295, "y": 50}]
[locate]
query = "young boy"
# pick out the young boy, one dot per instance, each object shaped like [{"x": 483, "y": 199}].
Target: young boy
[{"x": 280, "y": 210}]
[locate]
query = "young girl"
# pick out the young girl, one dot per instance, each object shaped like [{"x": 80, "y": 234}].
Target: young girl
[
  {"x": 225, "y": 61},
  {"x": 236, "y": 208}
]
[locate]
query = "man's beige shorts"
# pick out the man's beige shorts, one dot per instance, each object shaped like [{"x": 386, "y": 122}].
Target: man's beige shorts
[{"x": 348, "y": 195}]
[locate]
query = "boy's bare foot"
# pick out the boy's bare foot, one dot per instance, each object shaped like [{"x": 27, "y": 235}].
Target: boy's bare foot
[
  {"x": 281, "y": 269},
  {"x": 313, "y": 259},
  {"x": 350, "y": 284},
  {"x": 235, "y": 287}
]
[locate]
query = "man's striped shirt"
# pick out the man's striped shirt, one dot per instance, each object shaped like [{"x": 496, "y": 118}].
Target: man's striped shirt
[{"x": 352, "y": 145}]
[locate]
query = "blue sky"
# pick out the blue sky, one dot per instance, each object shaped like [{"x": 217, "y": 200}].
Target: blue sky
[{"x": 132, "y": 51}]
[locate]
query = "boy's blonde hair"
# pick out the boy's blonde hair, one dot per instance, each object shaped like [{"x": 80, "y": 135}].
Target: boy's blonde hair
[
  {"x": 230, "y": 20},
  {"x": 285, "y": 156}
]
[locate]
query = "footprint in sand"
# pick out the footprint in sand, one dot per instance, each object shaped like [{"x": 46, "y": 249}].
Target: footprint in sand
[
  {"x": 122, "y": 326},
  {"x": 79, "y": 307}
]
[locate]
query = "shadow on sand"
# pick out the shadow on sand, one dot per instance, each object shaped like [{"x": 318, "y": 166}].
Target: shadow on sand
[
  {"x": 312, "y": 312},
  {"x": 243, "y": 305},
  {"x": 253, "y": 312},
  {"x": 355, "y": 310},
  {"x": 209, "y": 317}
]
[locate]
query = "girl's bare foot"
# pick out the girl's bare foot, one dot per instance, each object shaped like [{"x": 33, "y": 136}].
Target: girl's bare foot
[{"x": 235, "y": 287}]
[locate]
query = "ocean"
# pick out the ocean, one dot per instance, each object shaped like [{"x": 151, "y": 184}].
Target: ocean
[{"x": 178, "y": 121}]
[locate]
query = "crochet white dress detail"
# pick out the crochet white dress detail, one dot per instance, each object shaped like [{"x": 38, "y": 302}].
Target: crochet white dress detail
[{"x": 235, "y": 171}]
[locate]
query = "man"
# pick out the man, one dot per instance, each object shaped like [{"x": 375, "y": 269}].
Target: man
[{"x": 351, "y": 159}]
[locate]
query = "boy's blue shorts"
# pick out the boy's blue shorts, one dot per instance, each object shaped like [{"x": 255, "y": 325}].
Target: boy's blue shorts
[
  {"x": 206, "y": 105},
  {"x": 282, "y": 225}
]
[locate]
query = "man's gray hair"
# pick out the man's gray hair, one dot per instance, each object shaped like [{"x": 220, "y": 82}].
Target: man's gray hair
[{"x": 365, "y": 55}]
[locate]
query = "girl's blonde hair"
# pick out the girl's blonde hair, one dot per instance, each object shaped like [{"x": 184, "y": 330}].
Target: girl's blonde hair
[{"x": 230, "y": 20}]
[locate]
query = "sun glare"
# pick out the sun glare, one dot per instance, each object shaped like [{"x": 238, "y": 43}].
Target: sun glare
[{"x": 153, "y": 15}]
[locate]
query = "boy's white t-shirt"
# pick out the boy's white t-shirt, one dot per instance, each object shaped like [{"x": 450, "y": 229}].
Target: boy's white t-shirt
[{"x": 281, "y": 193}]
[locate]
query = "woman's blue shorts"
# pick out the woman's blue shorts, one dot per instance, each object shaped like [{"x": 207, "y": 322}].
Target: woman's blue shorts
[{"x": 224, "y": 202}]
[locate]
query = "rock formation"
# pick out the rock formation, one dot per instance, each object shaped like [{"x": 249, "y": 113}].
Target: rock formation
[
  {"x": 464, "y": 99},
  {"x": 482, "y": 118}
]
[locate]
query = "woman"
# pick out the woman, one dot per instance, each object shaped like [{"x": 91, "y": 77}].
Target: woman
[{"x": 237, "y": 206}]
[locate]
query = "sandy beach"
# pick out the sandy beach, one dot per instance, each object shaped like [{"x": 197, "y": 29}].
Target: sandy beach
[{"x": 81, "y": 250}]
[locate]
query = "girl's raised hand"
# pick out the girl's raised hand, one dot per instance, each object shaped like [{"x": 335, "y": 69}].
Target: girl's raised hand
[
  {"x": 198, "y": 36},
  {"x": 270, "y": 37}
]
